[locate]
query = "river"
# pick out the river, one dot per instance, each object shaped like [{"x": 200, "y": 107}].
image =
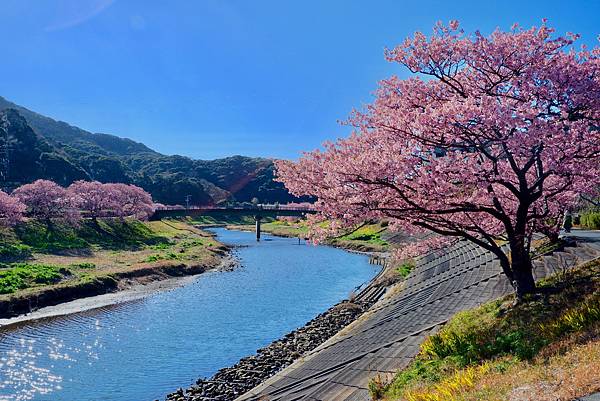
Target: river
[{"x": 141, "y": 350}]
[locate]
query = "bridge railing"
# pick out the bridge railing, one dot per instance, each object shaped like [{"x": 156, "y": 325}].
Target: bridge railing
[{"x": 258, "y": 207}]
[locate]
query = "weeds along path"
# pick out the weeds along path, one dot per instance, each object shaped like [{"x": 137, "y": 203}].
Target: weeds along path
[{"x": 443, "y": 283}]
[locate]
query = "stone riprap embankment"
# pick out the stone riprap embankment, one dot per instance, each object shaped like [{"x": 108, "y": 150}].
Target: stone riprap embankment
[{"x": 229, "y": 383}]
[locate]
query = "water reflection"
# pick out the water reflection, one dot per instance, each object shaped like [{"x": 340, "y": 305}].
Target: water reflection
[{"x": 141, "y": 350}]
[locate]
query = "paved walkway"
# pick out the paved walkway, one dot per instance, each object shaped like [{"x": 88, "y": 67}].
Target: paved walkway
[{"x": 388, "y": 337}]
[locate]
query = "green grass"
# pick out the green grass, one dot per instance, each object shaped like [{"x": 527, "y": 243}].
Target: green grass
[
  {"x": 370, "y": 233},
  {"x": 23, "y": 275},
  {"x": 496, "y": 335},
  {"x": 12, "y": 251},
  {"x": 405, "y": 268},
  {"x": 365, "y": 238},
  {"x": 286, "y": 228},
  {"x": 68, "y": 256},
  {"x": 590, "y": 220},
  {"x": 33, "y": 236},
  {"x": 41, "y": 239},
  {"x": 160, "y": 256},
  {"x": 161, "y": 246},
  {"x": 83, "y": 265}
]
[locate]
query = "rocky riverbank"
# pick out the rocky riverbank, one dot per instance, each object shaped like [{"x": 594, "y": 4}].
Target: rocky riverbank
[{"x": 229, "y": 383}]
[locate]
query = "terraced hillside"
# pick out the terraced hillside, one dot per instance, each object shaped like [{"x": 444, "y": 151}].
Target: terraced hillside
[{"x": 388, "y": 336}]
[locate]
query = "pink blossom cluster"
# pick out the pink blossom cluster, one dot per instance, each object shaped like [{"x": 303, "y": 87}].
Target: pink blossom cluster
[
  {"x": 492, "y": 136},
  {"x": 96, "y": 199},
  {"x": 11, "y": 209},
  {"x": 45, "y": 200}
]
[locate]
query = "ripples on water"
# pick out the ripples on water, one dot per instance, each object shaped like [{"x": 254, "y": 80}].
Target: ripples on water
[{"x": 142, "y": 350}]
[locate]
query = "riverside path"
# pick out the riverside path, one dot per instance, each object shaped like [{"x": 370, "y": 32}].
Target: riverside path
[{"x": 388, "y": 336}]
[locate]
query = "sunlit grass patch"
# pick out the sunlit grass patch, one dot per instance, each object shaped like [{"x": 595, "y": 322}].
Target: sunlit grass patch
[
  {"x": 83, "y": 265},
  {"x": 447, "y": 389},
  {"x": 287, "y": 228},
  {"x": 405, "y": 268},
  {"x": 365, "y": 238},
  {"x": 370, "y": 233},
  {"x": 163, "y": 256},
  {"x": 504, "y": 338},
  {"x": 564, "y": 376},
  {"x": 24, "y": 275}
]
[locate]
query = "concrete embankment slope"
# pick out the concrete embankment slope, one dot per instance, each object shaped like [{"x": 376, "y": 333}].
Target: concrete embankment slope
[{"x": 388, "y": 337}]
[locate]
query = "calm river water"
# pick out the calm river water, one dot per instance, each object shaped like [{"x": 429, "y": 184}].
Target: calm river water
[{"x": 142, "y": 350}]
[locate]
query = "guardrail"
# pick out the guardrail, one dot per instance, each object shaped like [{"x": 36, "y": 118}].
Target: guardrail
[{"x": 241, "y": 208}]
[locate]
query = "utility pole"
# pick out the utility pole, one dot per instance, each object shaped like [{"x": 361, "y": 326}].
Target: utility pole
[{"x": 187, "y": 202}]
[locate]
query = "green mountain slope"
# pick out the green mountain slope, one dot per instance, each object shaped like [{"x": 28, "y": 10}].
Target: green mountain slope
[
  {"x": 31, "y": 156},
  {"x": 66, "y": 153}
]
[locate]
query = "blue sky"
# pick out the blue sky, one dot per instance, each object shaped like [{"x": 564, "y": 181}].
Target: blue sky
[{"x": 212, "y": 78}]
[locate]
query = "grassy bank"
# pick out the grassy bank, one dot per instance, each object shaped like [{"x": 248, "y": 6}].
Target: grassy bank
[
  {"x": 367, "y": 238},
  {"x": 96, "y": 257},
  {"x": 547, "y": 348}
]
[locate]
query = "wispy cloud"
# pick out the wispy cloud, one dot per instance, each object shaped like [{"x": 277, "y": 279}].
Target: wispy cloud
[{"x": 78, "y": 12}]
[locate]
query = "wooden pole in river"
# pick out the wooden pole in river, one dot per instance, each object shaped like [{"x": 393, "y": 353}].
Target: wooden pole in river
[{"x": 257, "y": 219}]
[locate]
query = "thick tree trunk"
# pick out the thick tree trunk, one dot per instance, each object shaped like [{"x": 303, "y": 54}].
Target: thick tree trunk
[
  {"x": 522, "y": 269},
  {"x": 506, "y": 268},
  {"x": 49, "y": 228}
]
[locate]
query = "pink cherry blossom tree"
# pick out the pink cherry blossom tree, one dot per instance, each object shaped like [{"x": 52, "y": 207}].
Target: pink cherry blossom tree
[
  {"x": 47, "y": 201},
  {"x": 11, "y": 210},
  {"x": 93, "y": 198},
  {"x": 493, "y": 137},
  {"x": 130, "y": 200}
]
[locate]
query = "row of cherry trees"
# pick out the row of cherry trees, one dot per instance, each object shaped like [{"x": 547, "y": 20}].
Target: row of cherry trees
[{"x": 47, "y": 201}]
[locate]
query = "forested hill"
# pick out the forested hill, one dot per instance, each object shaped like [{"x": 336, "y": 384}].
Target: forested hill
[{"x": 40, "y": 147}]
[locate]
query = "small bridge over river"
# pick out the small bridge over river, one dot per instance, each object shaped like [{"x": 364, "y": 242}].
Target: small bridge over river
[{"x": 258, "y": 212}]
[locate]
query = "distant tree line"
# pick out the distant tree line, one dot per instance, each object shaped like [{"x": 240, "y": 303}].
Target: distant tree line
[{"x": 48, "y": 202}]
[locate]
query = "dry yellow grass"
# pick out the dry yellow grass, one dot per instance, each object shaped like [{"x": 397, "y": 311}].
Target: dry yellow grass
[
  {"x": 555, "y": 375},
  {"x": 449, "y": 389},
  {"x": 562, "y": 377}
]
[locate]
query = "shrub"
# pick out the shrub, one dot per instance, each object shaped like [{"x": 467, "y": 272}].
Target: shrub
[
  {"x": 590, "y": 220},
  {"x": 192, "y": 243},
  {"x": 405, "y": 268},
  {"x": 154, "y": 258},
  {"x": 377, "y": 387}
]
